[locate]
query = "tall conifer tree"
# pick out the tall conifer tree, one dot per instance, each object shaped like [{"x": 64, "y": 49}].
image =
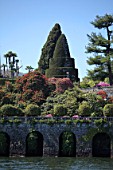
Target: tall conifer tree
[
  {"x": 102, "y": 48},
  {"x": 48, "y": 48},
  {"x": 62, "y": 65}
]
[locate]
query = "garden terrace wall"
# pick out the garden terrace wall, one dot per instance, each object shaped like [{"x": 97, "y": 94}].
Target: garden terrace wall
[
  {"x": 19, "y": 128},
  {"x": 108, "y": 90}
]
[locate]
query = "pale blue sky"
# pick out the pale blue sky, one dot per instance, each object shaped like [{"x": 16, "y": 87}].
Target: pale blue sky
[{"x": 25, "y": 25}]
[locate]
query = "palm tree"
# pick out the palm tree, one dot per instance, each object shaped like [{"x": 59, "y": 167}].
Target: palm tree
[
  {"x": 17, "y": 67},
  {"x": 4, "y": 70},
  {"x": 10, "y": 63},
  {"x": 9, "y": 55},
  {"x": 29, "y": 68},
  {"x": 0, "y": 68}
]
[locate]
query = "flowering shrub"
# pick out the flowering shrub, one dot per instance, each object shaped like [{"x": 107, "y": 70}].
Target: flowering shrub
[
  {"x": 27, "y": 94},
  {"x": 38, "y": 97},
  {"x": 61, "y": 84},
  {"x": 9, "y": 86},
  {"x": 33, "y": 87},
  {"x": 102, "y": 93},
  {"x": 110, "y": 100},
  {"x": 2, "y": 93}
]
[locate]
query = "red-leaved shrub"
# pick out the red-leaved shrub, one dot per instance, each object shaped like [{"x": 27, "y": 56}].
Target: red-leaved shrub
[{"x": 102, "y": 93}]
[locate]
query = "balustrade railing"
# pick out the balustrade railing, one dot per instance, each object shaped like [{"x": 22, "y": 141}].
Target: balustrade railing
[{"x": 25, "y": 119}]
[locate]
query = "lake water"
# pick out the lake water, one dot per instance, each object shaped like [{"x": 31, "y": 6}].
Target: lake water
[{"x": 49, "y": 163}]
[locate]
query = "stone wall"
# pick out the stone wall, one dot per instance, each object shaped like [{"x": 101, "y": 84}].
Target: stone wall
[
  {"x": 108, "y": 90},
  {"x": 84, "y": 133}
]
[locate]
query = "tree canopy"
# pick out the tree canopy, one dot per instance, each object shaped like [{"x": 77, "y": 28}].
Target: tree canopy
[{"x": 102, "y": 48}]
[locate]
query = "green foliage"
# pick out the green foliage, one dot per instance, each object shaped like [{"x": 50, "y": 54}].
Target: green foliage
[
  {"x": 29, "y": 68},
  {"x": 98, "y": 73},
  {"x": 100, "y": 122},
  {"x": 10, "y": 110},
  {"x": 8, "y": 98},
  {"x": 84, "y": 109},
  {"x": 48, "y": 48},
  {"x": 106, "y": 80},
  {"x": 55, "y": 72},
  {"x": 103, "y": 21},
  {"x": 87, "y": 82},
  {"x": 95, "y": 102},
  {"x": 32, "y": 110},
  {"x": 102, "y": 49},
  {"x": 2, "y": 94},
  {"x": 67, "y": 147},
  {"x": 4, "y": 80},
  {"x": 61, "y": 52},
  {"x": 108, "y": 110},
  {"x": 61, "y": 63},
  {"x": 33, "y": 144},
  {"x": 59, "y": 110},
  {"x": 22, "y": 105},
  {"x": 70, "y": 99}
]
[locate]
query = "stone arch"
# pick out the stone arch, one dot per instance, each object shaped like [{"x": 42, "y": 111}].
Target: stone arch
[
  {"x": 4, "y": 144},
  {"x": 34, "y": 144},
  {"x": 67, "y": 144},
  {"x": 101, "y": 145}
]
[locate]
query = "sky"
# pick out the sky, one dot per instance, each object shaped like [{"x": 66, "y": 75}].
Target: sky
[{"x": 25, "y": 26}]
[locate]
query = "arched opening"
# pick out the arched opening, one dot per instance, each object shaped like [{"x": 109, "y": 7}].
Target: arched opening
[
  {"x": 34, "y": 144},
  {"x": 4, "y": 144},
  {"x": 101, "y": 144},
  {"x": 67, "y": 144}
]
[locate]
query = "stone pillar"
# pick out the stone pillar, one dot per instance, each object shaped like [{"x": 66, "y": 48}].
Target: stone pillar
[
  {"x": 17, "y": 141},
  {"x": 50, "y": 146},
  {"x": 83, "y": 149},
  {"x": 17, "y": 148},
  {"x": 111, "y": 148}
]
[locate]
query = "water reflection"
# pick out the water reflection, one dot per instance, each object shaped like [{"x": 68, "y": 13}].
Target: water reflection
[{"x": 56, "y": 163}]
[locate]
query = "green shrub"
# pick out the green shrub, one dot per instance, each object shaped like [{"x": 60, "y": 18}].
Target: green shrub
[
  {"x": 84, "y": 109},
  {"x": 2, "y": 93},
  {"x": 32, "y": 110},
  {"x": 60, "y": 110},
  {"x": 10, "y": 110},
  {"x": 3, "y": 80},
  {"x": 67, "y": 147},
  {"x": 108, "y": 110}
]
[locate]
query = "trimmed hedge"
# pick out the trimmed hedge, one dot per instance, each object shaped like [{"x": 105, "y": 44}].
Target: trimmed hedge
[
  {"x": 108, "y": 110},
  {"x": 32, "y": 110},
  {"x": 60, "y": 110},
  {"x": 10, "y": 110},
  {"x": 84, "y": 109}
]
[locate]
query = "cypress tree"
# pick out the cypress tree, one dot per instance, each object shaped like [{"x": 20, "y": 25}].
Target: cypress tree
[
  {"x": 61, "y": 53},
  {"x": 48, "y": 48},
  {"x": 62, "y": 63}
]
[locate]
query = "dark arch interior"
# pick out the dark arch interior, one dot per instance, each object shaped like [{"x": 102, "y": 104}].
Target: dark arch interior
[
  {"x": 101, "y": 145},
  {"x": 34, "y": 144},
  {"x": 4, "y": 144},
  {"x": 67, "y": 144}
]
